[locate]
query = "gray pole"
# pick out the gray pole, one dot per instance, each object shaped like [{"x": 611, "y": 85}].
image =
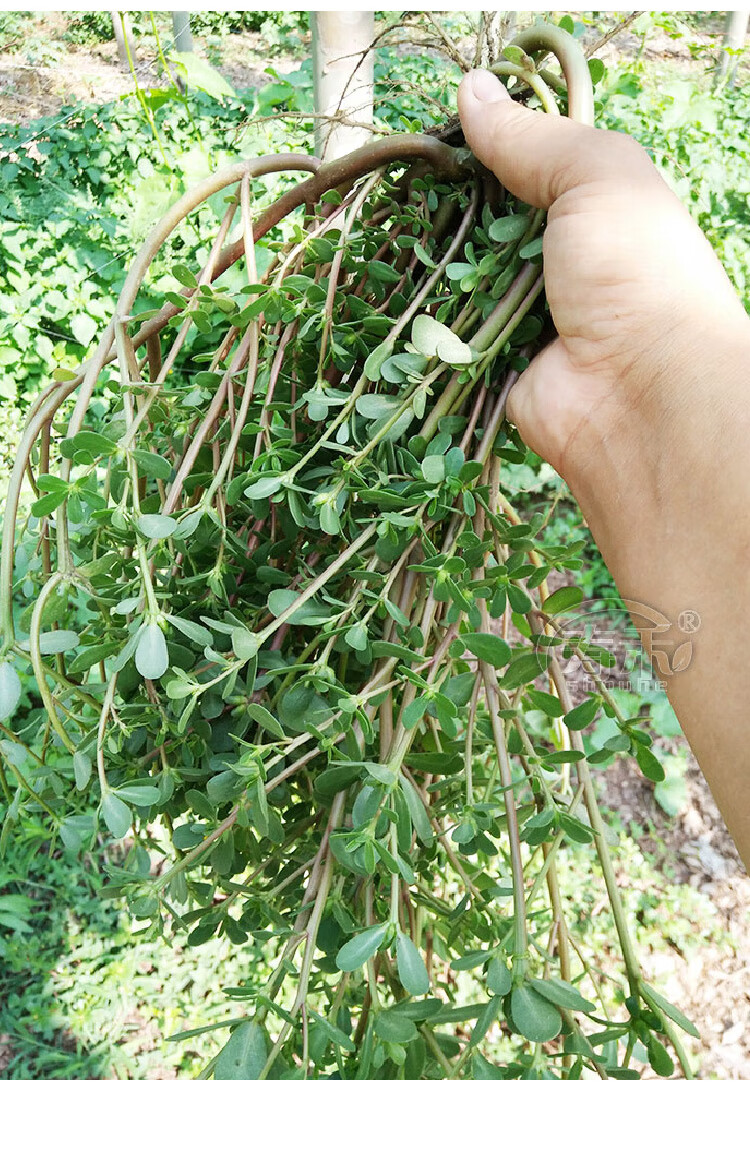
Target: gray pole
[
  {"x": 340, "y": 41},
  {"x": 183, "y": 38},
  {"x": 735, "y": 31},
  {"x": 123, "y": 36}
]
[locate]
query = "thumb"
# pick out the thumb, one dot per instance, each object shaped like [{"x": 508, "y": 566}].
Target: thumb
[{"x": 536, "y": 156}]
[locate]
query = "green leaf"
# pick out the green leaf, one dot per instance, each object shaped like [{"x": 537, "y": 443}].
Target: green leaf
[
  {"x": 471, "y": 960},
  {"x": 532, "y": 249},
  {"x": 534, "y": 1016},
  {"x": 265, "y": 487},
  {"x": 244, "y": 1055},
  {"x": 82, "y": 769},
  {"x": 356, "y": 637},
  {"x": 358, "y": 950},
  {"x": 312, "y": 612},
  {"x": 335, "y": 779},
  {"x": 88, "y": 445},
  {"x": 411, "y": 969},
  {"x": 671, "y": 794},
  {"x": 244, "y": 643},
  {"x": 334, "y": 1034},
  {"x": 661, "y": 1062},
  {"x": 394, "y": 1028},
  {"x": 377, "y": 404},
  {"x": 597, "y": 70},
  {"x": 151, "y": 656},
  {"x": 48, "y": 503},
  {"x": 260, "y": 808},
  {"x": 383, "y": 272},
  {"x": 194, "y": 632},
  {"x": 419, "y": 817},
  {"x": 10, "y": 691},
  {"x": 117, "y": 815},
  {"x": 648, "y": 763},
  {"x": 451, "y": 1014},
  {"x": 563, "y": 994},
  {"x": 265, "y": 719},
  {"x": 185, "y": 276},
  {"x": 60, "y": 640},
  {"x": 152, "y": 464},
  {"x": 581, "y": 716},
  {"x": 482, "y": 1070},
  {"x": 376, "y": 359},
  {"x": 547, "y": 703},
  {"x": 488, "y": 647},
  {"x": 433, "y": 338},
  {"x": 575, "y": 830},
  {"x": 514, "y": 53},
  {"x": 523, "y": 669},
  {"x": 142, "y": 795},
  {"x": 156, "y": 526},
  {"x": 671, "y": 1011},
  {"x": 433, "y": 468},
  {"x": 422, "y": 255},
  {"x": 201, "y": 76},
  {"x": 499, "y": 979},
  {"x": 508, "y": 228},
  {"x": 562, "y": 600},
  {"x": 381, "y": 772},
  {"x": 485, "y": 1020}
]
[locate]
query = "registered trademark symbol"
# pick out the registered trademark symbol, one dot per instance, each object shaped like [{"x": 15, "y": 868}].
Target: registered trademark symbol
[{"x": 688, "y": 621}]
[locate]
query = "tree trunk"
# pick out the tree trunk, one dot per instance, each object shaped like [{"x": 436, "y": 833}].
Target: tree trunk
[
  {"x": 123, "y": 36},
  {"x": 343, "y": 79},
  {"x": 735, "y": 31},
  {"x": 183, "y": 38}
]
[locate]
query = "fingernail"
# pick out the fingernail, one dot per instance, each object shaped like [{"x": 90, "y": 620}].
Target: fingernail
[{"x": 486, "y": 87}]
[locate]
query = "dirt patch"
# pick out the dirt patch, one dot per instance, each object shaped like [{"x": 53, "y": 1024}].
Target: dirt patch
[
  {"x": 711, "y": 982},
  {"x": 67, "y": 74}
]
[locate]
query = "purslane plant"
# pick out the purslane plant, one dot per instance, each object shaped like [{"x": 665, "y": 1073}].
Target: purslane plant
[{"x": 289, "y": 635}]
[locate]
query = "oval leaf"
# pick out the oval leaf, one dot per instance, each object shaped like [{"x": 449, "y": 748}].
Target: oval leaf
[
  {"x": 61, "y": 641},
  {"x": 433, "y": 338},
  {"x": 244, "y": 1055},
  {"x": 411, "y": 969},
  {"x": 563, "y": 994},
  {"x": 151, "y": 656},
  {"x": 10, "y": 691},
  {"x": 563, "y": 599},
  {"x": 82, "y": 768},
  {"x": 156, "y": 526},
  {"x": 487, "y": 647},
  {"x": 534, "y": 1016},
  {"x": 362, "y": 947},
  {"x": 498, "y": 977},
  {"x": 116, "y": 815}
]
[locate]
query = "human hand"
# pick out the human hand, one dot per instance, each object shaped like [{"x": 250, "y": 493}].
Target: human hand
[
  {"x": 641, "y": 402},
  {"x": 637, "y": 295}
]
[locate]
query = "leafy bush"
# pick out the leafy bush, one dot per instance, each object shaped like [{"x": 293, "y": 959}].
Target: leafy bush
[
  {"x": 92, "y": 28},
  {"x": 79, "y": 193},
  {"x": 262, "y": 21},
  {"x": 95, "y": 27},
  {"x": 699, "y": 142}
]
